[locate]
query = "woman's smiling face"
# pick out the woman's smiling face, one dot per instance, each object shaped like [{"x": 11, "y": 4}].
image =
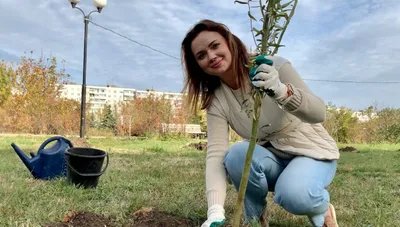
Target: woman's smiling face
[{"x": 212, "y": 53}]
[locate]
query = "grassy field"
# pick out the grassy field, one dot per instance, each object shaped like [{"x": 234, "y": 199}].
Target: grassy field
[{"x": 169, "y": 176}]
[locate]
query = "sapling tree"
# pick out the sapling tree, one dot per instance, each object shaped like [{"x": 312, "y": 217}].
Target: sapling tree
[{"x": 275, "y": 17}]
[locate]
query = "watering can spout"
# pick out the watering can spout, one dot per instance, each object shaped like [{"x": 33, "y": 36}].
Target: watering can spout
[{"x": 22, "y": 156}]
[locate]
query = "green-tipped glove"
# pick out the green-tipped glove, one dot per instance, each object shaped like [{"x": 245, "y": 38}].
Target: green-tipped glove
[
  {"x": 264, "y": 76},
  {"x": 215, "y": 216}
]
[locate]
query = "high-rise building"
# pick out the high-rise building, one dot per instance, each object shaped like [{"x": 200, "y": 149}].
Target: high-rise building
[{"x": 99, "y": 96}]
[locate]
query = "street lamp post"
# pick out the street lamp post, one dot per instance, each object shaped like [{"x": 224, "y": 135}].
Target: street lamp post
[{"x": 99, "y": 4}]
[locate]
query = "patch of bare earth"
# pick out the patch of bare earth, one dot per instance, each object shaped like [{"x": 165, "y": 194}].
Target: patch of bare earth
[
  {"x": 348, "y": 149},
  {"x": 84, "y": 219},
  {"x": 80, "y": 142},
  {"x": 201, "y": 146},
  {"x": 145, "y": 217}
]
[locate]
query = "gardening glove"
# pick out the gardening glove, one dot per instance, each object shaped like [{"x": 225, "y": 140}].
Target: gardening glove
[
  {"x": 264, "y": 76},
  {"x": 215, "y": 216}
]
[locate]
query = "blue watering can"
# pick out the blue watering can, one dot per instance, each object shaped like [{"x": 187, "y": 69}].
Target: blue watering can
[{"x": 48, "y": 163}]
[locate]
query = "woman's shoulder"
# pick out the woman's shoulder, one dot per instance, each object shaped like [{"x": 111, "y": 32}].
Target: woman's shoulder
[{"x": 219, "y": 101}]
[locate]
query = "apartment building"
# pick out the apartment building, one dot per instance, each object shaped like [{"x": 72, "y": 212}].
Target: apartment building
[
  {"x": 98, "y": 96},
  {"x": 361, "y": 117}
]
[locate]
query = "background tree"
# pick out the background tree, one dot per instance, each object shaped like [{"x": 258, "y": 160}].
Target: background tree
[
  {"x": 339, "y": 123},
  {"x": 35, "y": 105},
  {"x": 6, "y": 78},
  {"x": 108, "y": 120}
]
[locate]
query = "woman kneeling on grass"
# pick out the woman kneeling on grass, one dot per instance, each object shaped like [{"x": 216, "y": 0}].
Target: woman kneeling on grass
[{"x": 295, "y": 157}]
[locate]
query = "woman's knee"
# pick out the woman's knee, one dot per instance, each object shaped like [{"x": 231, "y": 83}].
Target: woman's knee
[
  {"x": 236, "y": 151},
  {"x": 257, "y": 187},
  {"x": 234, "y": 159},
  {"x": 301, "y": 197},
  {"x": 236, "y": 155},
  {"x": 265, "y": 168}
]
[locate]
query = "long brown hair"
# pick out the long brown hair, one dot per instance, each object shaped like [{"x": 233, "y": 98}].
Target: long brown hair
[{"x": 197, "y": 82}]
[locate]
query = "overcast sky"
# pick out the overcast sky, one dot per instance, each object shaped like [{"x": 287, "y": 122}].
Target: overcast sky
[{"x": 339, "y": 40}]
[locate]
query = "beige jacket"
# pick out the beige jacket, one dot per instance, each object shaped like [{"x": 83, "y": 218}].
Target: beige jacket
[{"x": 295, "y": 127}]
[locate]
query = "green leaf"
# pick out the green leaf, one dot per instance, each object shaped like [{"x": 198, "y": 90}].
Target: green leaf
[
  {"x": 276, "y": 33},
  {"x": 258, "y": 32},
  {"x": 285, "y": 15},
  {"x": 255, "y": 30},
  {"x": 251, "y": 16},
  {"x": 275, "y": 45},
  {"x": 241, "y": 2},
  {"x": 287, "y": 4},
  {"x": 277, "y": 5}
]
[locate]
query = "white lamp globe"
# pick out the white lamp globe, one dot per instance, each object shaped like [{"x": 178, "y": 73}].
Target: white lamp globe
[
  {"x": 74, "y": 1},
  {"x": 99, "y": 3}
]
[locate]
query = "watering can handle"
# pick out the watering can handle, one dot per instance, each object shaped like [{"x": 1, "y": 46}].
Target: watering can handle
[
  {"x": 49, "y": 140},
  {"x": 90, "y": 174}
]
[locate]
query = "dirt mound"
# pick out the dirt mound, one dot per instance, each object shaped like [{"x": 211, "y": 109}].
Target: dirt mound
[
  {"x": 202, "y": 146},
  {"x": 145, "y": 217},
  {"x": 80, "y": 142},
  {"x": 348, "y": 149},
  {"x": 149, "y": 217},
  {"x": 84, "y": 219}
]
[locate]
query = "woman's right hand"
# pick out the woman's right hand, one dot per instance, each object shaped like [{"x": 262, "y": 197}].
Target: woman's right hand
[{"x": 215, "y": 216}]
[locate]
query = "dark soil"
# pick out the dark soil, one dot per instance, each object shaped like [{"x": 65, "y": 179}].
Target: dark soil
[
  {"x": 84, "y": 219},
  {"x": 146, "y": 217},
  {"x": 202, "y": 146},
  {"x": 80, "y": 142},
  {"x": 348, "y": 149},
  {"x": 149, "y": 217}
]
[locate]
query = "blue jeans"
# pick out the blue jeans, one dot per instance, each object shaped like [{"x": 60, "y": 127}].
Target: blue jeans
[{"x": 298, "y": 183}]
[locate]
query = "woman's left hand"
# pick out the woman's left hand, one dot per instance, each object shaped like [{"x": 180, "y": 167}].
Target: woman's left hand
[{"x": 266, "y": 77}]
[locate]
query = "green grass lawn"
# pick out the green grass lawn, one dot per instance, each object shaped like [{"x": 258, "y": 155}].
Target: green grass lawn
[{"x": 169, "y": 176}]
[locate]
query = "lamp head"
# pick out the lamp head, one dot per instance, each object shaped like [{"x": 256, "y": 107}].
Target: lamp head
[
  {"x": 100, "y": 4},
  {"x": 74, "y": 2}
]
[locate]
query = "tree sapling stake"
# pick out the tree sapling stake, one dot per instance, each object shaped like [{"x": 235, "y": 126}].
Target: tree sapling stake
[{"x": 275, "y": 18}]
